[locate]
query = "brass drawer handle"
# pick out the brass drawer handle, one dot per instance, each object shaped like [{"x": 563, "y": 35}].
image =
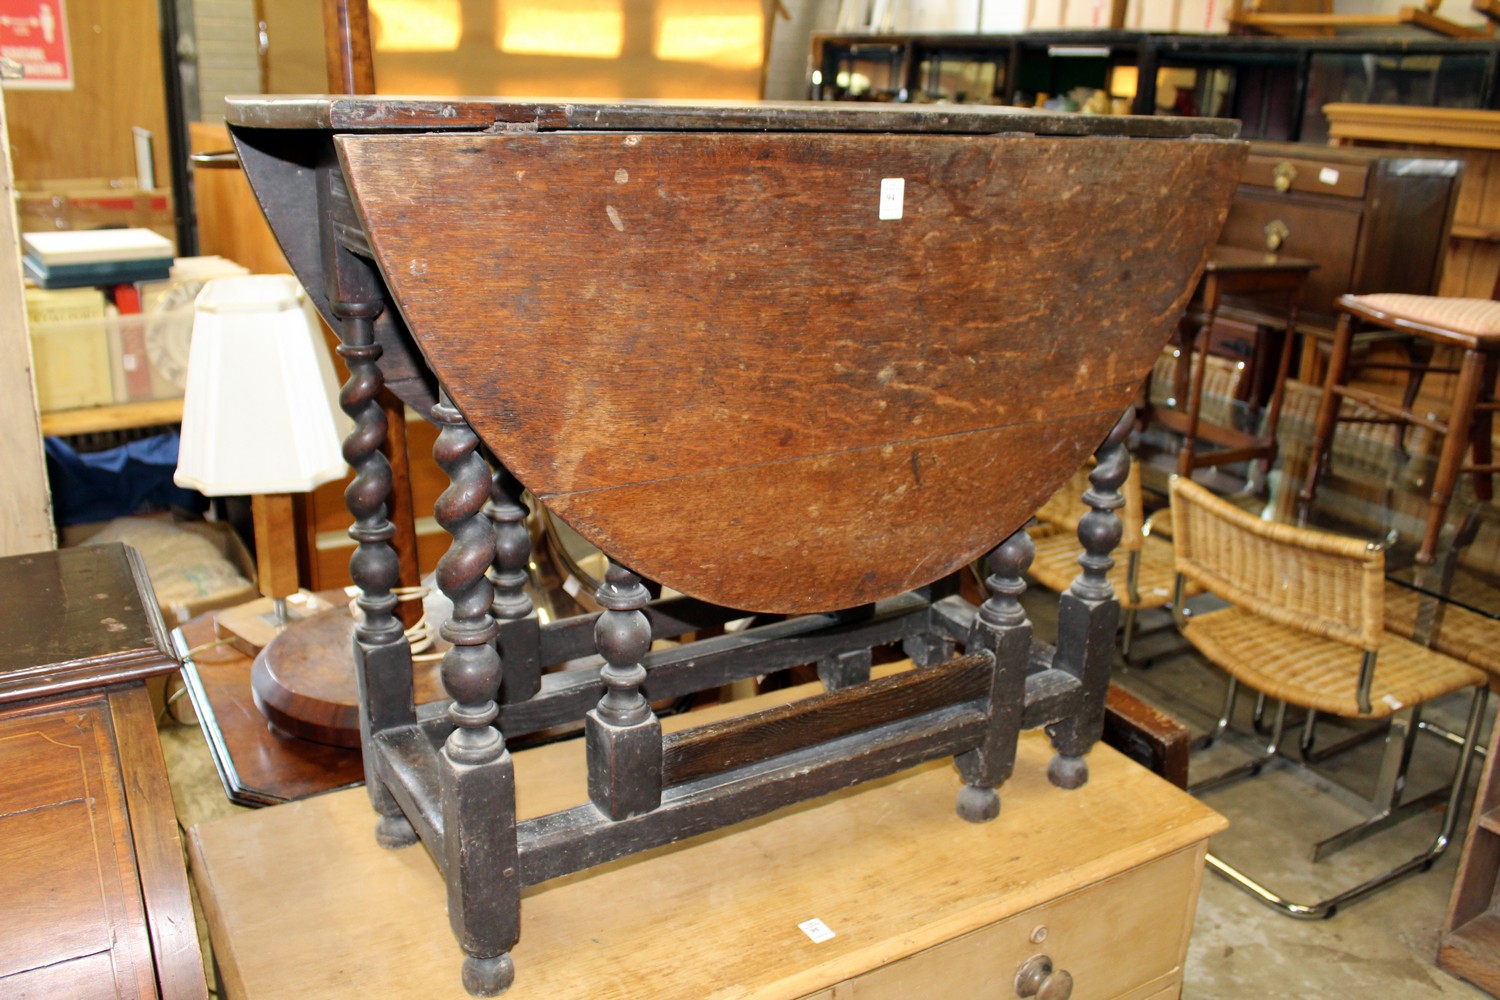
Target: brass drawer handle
[
  {"x": 1282, "y": 176},
  {"x": 1037, "y": 978},
  {"x": 1276, "y": 234}
]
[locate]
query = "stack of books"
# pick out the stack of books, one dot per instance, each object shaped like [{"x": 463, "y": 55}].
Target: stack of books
[{"x": 75, "y": 258}]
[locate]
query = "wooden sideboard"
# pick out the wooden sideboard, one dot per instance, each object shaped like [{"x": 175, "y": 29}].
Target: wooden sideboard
[
  {"x": 96, "y": 895},
  {"x": 1103, "y": 880}
]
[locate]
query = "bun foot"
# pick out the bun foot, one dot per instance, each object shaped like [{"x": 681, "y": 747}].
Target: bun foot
[
  {"x": 394, "y": 831},
  {"x": 1068, "y": 772},
  {"x": 978, "y": 805},
  {"x": 488, "y": 977}
]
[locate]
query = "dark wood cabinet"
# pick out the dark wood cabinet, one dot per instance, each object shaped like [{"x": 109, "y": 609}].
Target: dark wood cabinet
[
  {"x": 95, "y": 891},
  {"x": 1374, "y": 221}
]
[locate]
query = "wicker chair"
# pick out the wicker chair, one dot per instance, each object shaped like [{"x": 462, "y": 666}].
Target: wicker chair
[
  {"x": 1463, "y": 634},
  {"x": 1143, "y": 573},
  {"x": 1304, "y": 625}
]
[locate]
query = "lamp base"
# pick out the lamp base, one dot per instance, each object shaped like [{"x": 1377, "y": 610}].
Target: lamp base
[
  {"x": 303, "y": 680},
  {"x": 251, "y": 626}
]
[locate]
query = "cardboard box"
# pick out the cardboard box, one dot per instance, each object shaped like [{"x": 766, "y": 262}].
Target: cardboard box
[
  {"x": 93, "y": 203},
  {"x": 69, "y": 348},
  {"x": 147, "y": 535}
]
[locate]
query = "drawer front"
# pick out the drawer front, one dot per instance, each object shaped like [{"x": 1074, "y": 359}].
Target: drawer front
[
  {"x": 1123, "y": 937},
  {"x": 1310, "y": 176},
  {"x": 1325, "y": 231}
]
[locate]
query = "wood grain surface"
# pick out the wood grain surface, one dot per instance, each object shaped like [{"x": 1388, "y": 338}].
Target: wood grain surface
[
  {"x": 72, "y": 903},
  {"x": 303, "y": 681},
  {"x": 158, "y": 847},
  {"x": 709, "y": 355},
  {"x": 258, "y": 767},
  {"x": 78, "y": 619},
  {"x": 886, "y": 865},
  {"x": 377, "y": 113}
]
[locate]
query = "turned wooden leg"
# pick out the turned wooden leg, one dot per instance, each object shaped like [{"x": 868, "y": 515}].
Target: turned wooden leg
[
  {"x": 1001, "y": 629},
  {"x": 1455, "y": 443},
  {"x": 382, "y": 655},
  {"x": 480, "y": 856},
  {"x": 1328, "y": 407},
  {"x": 1484, "y": 431},
  {"x": 519, "y": 639},
  {"x": 1089, "y": 613},
  {"x": 621, "y": 734}
]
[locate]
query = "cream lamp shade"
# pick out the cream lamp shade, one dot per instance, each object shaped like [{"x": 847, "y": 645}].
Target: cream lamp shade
[{"x": 259, "y": 411}]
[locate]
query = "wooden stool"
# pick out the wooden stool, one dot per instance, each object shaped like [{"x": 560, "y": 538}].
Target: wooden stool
[{"x": 1472, "y": 325}]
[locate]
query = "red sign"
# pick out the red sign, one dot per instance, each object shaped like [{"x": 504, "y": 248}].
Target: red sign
[{"x": 34, "y": 33}]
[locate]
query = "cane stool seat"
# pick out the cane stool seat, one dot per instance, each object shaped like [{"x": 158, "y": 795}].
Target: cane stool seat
[
  {"x": 1463, "y": 321},
  {"x": 1466, "y": 325}
]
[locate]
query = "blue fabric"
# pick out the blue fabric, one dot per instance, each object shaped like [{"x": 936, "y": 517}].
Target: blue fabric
[{"x": 118, "y": 482}]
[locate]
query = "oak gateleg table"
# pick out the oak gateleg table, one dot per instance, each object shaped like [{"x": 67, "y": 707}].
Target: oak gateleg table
[{"x": 796, "y": 362}]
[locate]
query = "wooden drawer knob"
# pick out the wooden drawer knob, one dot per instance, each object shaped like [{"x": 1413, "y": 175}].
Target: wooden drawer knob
[{"x": 1037, "y": 978}]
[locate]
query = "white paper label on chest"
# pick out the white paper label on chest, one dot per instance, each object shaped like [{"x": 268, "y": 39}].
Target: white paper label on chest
[
  {"x": 892, "y": 195},
  {"x": 1328, "y": 175},
  {"x": 816, "y": 929}
]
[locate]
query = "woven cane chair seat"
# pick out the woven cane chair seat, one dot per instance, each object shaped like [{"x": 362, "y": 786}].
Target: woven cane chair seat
[
  {"x": 1304, "y": 604},
  {"x": 1305, "y": 625},
  {"x": 1292, "y": 665}
]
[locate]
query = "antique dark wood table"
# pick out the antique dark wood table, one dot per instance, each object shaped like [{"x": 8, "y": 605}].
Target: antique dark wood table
[{"x": 793, "y": 362}]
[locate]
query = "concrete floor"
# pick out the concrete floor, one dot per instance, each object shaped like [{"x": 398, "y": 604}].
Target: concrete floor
[{"x": 1380, "y": 947}]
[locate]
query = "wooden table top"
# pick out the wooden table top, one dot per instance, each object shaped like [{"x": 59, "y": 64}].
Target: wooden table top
[
  {"x": 257, "y": 766},
  {"x": 385, "y": 113},
  {"x": 75, "y": 618},
  {"x": 887, "y": 866},
  {"x": 1223, "y": 259},
  {"x": 762, "y": 353}
]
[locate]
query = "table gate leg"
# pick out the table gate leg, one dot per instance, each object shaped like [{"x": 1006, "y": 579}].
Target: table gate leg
[
  {"x": 480, "y": 855},
  {"x": 1089, "y": 613},
  {"x": 382, "y": 654},
  {"x": 1000, "y": 627}
]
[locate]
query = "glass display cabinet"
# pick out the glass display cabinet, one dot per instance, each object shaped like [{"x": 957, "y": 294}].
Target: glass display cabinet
[{"x": 1275, "y": 86}]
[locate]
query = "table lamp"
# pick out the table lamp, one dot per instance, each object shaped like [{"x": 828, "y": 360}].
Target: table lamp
[{"x": 260, "y": 414}]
